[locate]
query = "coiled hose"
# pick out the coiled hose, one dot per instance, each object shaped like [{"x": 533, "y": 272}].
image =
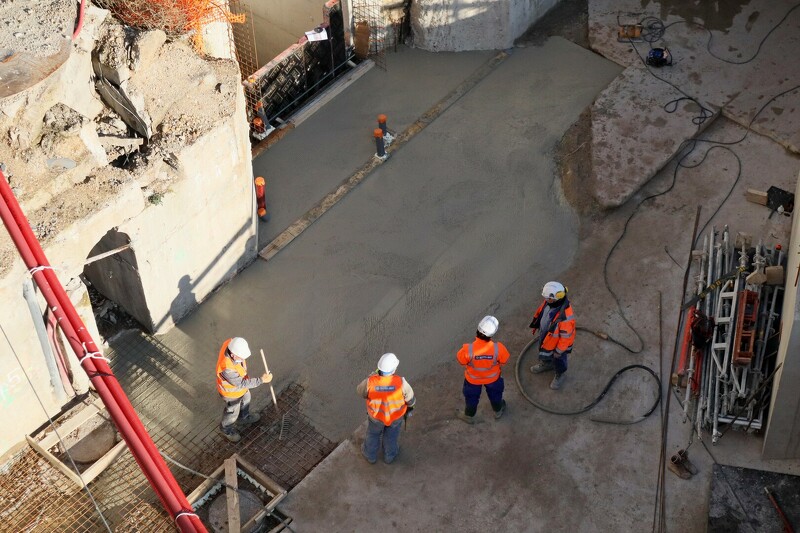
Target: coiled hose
[{"x": 596, "y": 400}]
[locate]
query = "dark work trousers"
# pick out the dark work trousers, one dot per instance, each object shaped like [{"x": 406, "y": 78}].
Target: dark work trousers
[
  {"x": 235, "y": 409},
  {"x": 378, "y": 433},
  {"x": 559, "y": 363},
  {"x": 472, "y": 395}
]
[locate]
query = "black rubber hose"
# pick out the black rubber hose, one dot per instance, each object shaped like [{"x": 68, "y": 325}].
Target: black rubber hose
[{"x": 596, "y": 400}]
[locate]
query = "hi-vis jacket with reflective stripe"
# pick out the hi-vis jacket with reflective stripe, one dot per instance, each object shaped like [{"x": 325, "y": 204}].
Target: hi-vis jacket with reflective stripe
[
  {"x": 385, "y": 400},
  {"x": 225, "y": 388},
  {"x": 560, "y": 335},
  {"x": 482, "y": 360}
]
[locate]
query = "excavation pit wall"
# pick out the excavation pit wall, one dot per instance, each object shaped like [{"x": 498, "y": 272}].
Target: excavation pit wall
[{"x": 185, "y": 205}]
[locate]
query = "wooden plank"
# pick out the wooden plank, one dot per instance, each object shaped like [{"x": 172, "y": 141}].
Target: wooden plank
[
  {"x": 206, "y": 485},
  {"x": 50, "y": 439},
  {"x": 55, "y": 462},
  {"x": 104, "y": 462},
  {"x": 756, "y": 196},
  {"x": 259, "y": 476},
  {"x": 231, "y": 480}
]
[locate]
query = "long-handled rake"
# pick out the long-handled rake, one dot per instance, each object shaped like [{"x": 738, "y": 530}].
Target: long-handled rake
[{"x": 284, "y": 419}]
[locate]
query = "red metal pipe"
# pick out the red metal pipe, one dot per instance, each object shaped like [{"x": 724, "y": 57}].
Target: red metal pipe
[
  {"x": 79, "y": 24},
  {"x": 108, "y": 388}
]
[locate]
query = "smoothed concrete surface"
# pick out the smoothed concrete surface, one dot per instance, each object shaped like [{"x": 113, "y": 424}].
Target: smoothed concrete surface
[
  {"x": 336, "y": 140},
  {"x": 414, "y": 257},
  {"x": 725, "y": 67}
]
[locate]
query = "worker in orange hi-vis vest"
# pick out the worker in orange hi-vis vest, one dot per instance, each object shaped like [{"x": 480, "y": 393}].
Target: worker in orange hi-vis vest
[
  {"x": 482, "y": 360},
  {"x": 234, "y": 385},
  {"x": 555, "y": 322},
  {"x": 389, "y": 400}
]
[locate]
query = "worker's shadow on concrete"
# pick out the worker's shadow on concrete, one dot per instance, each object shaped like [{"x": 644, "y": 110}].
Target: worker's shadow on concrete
[{"x": 184, "y": 301}]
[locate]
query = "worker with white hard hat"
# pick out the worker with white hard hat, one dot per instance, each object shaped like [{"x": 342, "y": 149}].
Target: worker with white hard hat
[
  {"x": 234, "y": 385},
  {"x": 390, "y": 399},
  {"x": 555, "y": 323},
  {"x": 483, "y": 359}
]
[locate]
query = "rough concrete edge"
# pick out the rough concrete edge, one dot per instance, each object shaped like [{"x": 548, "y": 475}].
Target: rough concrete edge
[
  {"x": 770, "y": 134},
  {"x": 331, "y": 92},
  {"x": 607, "y": 203},
  {"x": 343, "y": 448},
  {"x": 331, "y": 199}
]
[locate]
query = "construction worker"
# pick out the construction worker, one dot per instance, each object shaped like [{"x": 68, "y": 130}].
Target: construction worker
[
  {"x": 556, "y": 324},
  {"x": 390, "y": 399},
  {"x": 234, "y": 385},
  {"x": 482, "y": 360}
]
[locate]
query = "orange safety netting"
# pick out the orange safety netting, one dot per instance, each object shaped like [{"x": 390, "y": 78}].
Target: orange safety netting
[{"x": 175, "y": 17}]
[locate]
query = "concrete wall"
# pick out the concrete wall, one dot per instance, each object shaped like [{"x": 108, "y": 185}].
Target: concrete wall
[
  {"x": 457, "y": 25},
  {"x": 280, "y": 23},
  {"x": 782, "y": 439},
  {"x": 198, "y": 237}
]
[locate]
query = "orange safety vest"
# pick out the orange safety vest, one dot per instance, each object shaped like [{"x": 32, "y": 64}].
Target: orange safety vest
[
  {"x": 226, "y": 363},
  {"x": 385, "y": 401},
  {"x": 482, "y": 366},
  {"x": 561, "y": 332}
]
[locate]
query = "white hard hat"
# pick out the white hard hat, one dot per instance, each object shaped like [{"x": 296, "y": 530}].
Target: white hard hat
[
  {"x": 488, "y": 325},
  {"x": 238, "y": 347},
  {"x": 554, "y": 289},
  {"x": 388, "y": 362}
]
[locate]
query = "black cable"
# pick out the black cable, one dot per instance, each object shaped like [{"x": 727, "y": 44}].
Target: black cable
[
  {"x": 711, "y": 35},
  {"x": 596, "y": 400}
]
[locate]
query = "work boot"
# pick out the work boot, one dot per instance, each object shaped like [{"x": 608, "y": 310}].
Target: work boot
[
  {"x": 687, "y": 464},
  {"x": 231, "y": 434},
  {"x": 463, "y": 416},
  {"x": 558, "y": 381},
  {"x": 677, "y": 466},
  {"x": 542, "y": 366},
  {"x": 251, "y": 418},
  {"x": 499, "y": 413}
]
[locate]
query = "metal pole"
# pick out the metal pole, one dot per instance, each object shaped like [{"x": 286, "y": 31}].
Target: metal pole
[{"x": 41, "y": 331}]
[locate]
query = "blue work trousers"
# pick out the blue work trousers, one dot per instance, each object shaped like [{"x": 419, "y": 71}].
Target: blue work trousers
[
  {"x": 378, "y": 433},
  {"x": 472, "y": 395}
]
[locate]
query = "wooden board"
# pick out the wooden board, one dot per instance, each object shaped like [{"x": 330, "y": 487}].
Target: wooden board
[{"x": 20, "y": 70}]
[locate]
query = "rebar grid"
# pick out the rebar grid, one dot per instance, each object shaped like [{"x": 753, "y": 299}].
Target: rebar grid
[
  {"x": 242, "y": 37},
  {"x": 372, "y": 12},
  {"x": 182, "y": 416}
]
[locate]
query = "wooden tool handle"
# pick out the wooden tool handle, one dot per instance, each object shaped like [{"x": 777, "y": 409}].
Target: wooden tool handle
[{"x": 264, "y": 359}]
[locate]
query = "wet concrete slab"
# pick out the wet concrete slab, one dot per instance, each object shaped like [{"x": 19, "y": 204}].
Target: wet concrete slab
[
  {"x": 726, "y": 56},
  {"x": 338, "y": 137}
]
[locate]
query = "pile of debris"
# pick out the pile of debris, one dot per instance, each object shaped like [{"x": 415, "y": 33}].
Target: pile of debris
[
  {"x": 731, "y": 333},
  {"x": 117, "y": 112}
]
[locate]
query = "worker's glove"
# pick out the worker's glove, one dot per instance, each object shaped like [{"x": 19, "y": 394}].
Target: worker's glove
[
  {"x": 533, "y": 332},
  {"x": 409, "y": 411},
  {"x": 557, "y": 355},
  {"x": 266, "y": 378}
]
